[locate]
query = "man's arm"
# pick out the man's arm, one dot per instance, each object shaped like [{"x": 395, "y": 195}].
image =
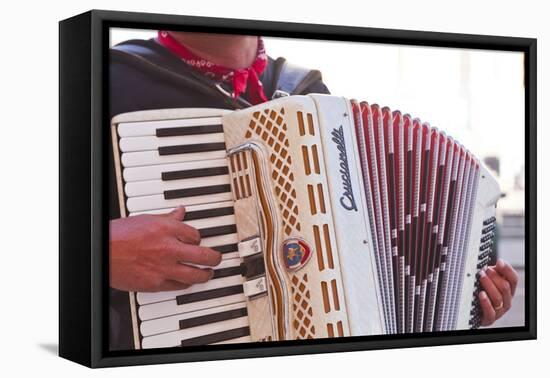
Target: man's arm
[{"x": 151, "y": 253}]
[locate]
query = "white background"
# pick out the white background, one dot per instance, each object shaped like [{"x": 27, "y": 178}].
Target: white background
[{"x": 29, "y": 189}]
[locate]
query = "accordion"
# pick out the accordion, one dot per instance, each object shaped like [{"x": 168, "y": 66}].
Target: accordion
[{"x": 334, "y": 218}]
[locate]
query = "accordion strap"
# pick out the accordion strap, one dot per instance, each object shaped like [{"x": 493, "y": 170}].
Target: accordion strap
[{"x": 292, "y": 79}]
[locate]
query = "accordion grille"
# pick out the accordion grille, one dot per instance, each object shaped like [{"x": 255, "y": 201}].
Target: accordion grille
[
  {"x": 302, "y": 308},
  {"x": 269, "y": 125}
]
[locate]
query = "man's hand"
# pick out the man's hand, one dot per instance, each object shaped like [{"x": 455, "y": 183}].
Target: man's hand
[
  {"x": 149, "y": 253},
  {"x": 499, "y": 286}
]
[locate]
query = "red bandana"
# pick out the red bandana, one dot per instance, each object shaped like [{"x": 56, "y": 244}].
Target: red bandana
[{"x": 240, "y": 78}]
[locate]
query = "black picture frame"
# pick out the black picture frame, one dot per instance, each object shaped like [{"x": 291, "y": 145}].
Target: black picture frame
[{"x": 83, "y": 228}]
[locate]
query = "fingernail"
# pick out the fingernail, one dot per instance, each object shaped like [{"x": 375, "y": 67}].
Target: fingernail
[
  {"x": 482, "y": 295},
  {"x": 482, "y": 273}
]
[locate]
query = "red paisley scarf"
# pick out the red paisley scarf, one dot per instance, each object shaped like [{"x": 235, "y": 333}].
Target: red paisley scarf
[{"x": 240, "y": 78}]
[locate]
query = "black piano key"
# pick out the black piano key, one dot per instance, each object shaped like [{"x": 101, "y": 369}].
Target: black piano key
[
  {"x": 209, "y": 213},
  {"x": 217, "y": 337},
  {"x": 190, "y": 148},
  {"x": 199, "y": 191},
  {"x": 227, "y": 272},
  {"x": 209, "y": 294},
  {"x": 194, "y": 173},
  {"x": 227, "y": 248},
  {"x": 213, "y": 318},
  {"x": 219, "y": 230},
  {"x": 253, "y": 266},
  {"x": 189, "y": 130}
]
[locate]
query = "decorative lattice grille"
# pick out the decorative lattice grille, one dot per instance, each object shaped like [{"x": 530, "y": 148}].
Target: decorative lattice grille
[
  {"x": 270, "y": 126},
  {"x": 301, "y": 307}
]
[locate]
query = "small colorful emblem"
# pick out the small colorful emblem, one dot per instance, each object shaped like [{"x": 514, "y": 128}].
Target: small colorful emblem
[{"x": 296, "y": 253}]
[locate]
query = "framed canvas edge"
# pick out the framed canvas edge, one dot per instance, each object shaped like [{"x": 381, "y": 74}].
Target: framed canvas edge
[
  {"x": 262, "y": 350},
  {"x": 103, "y": 20}
]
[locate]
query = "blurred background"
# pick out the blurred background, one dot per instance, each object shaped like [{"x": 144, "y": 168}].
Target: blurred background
[{"x": 476, "y": 96}]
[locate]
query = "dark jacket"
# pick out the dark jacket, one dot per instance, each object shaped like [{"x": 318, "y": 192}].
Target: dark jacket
[{"x": 143, "y": 75}]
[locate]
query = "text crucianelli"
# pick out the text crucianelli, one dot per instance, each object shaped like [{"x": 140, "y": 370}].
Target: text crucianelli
[{"x": 347, "y": 200}]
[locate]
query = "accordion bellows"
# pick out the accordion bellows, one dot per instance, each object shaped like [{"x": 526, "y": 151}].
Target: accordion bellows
[{"x": 335, "y": 218}]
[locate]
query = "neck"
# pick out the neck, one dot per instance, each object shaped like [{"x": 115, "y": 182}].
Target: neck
[{"x": 231, "y": 51}]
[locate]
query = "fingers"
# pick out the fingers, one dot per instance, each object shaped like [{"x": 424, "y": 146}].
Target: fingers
[
  {"x": 188, "y": 274},
  {"x": 490, "y": 289},
  {"x": 177, "y": 214},
  {"x": 506, "y": 270},
  {"x": 183, "y": 232},
  {"x": 504, "y": 288},
  {"x": 487, "y": 310},
  {"x": 496, "y": 298},
  {"x": 195, "y": 254},
  {"x": 187, "y": 234}
]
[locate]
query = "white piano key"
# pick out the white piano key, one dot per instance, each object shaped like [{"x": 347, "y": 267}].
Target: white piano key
[
  {"x": 230, "y": 255},
  {"x": 157, "y": 201},
  {"x": 215, "y": 241},
  {"x": 129, "y": 129},
  {"x": 212, "y": 222},
  {"x": 167, "y": 308},
  {"x": 189, "y": 209},
  {"x": 150, "y": 187},
  {"x": 154, "y": 172},
  {"x": 152, "y": 157},
  {"x": 148, "y": 298},
  {"x": 244, "y": 339},
  {"x": 172, "y": 323},
  {"x": 152, "y": 212},
  {"x": 146, "y": 143},
  {"x": 172, "y": 339},
  {"x": 161, "y": 296}
]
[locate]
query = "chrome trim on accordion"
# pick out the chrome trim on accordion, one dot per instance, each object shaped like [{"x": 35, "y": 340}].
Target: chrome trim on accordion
[{"x": 260, "y": 150}]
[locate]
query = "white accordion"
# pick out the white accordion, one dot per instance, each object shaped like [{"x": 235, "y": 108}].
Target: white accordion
[{"x": 334, "y": 218}]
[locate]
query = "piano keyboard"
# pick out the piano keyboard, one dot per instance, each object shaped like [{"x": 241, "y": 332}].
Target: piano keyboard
[{"x": 170, "y": 163}]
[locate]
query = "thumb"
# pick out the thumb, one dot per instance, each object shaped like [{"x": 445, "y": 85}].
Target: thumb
[{"x": 177, "y": 214}]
